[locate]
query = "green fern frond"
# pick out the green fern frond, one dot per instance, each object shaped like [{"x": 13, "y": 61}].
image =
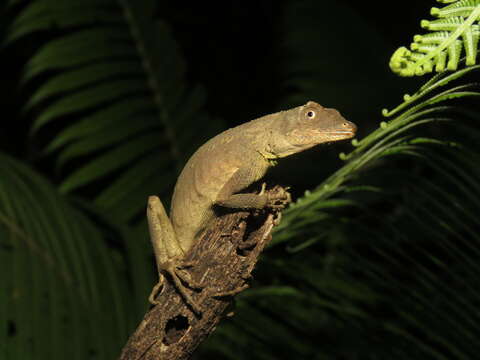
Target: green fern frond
[
  {"x": 426, "y": 233},
  {"x": 455, "y": 31}
]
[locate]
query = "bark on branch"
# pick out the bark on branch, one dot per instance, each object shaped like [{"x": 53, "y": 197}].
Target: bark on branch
[{"x": 223, "y": 260}]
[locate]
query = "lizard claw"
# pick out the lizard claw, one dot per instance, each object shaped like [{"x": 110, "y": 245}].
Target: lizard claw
[
  {"x": 262, "y": 190},
  {"x": 277, "y": 218},
  {"x": 156, "y": 290}
]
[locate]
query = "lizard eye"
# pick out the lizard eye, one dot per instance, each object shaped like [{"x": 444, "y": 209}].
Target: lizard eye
[{"x": 311, "y": 114}]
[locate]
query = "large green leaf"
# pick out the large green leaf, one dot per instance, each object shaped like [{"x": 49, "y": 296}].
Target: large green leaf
[{"x": 61, "y": 289}]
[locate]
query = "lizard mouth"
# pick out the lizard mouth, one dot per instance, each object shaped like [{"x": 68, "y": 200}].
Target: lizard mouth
[{"x": 342, "y": 133}]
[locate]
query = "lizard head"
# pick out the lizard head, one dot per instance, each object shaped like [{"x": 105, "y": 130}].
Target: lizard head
[{"x": 306, "y": 126}]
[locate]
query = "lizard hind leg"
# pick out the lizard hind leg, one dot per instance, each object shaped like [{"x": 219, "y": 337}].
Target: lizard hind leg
[{"x": 168, "y": 253}]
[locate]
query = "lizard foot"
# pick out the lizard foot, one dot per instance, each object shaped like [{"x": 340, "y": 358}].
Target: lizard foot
[
  {"x": 179, "y": 278},
  {"x": 278, "y": 198}
]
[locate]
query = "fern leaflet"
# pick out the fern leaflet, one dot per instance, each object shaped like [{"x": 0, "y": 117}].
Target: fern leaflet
[{"x": 455, "y": 29}]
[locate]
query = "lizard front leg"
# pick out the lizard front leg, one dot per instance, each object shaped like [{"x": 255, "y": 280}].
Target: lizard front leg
[
  {"x": 168, "y": 253},
  {"x": 277, "y": 199}
]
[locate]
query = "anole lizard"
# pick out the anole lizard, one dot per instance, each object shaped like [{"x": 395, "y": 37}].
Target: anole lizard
[{"x": 224, "y": 166}]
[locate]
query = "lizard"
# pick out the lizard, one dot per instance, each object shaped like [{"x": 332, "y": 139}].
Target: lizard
[{"x": 218, "y": 172}]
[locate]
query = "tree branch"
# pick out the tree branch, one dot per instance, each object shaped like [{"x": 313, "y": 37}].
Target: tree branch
[{"x": 223, "y": 260}]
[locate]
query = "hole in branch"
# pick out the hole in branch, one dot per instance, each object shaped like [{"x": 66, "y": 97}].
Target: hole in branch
[{"x": 175, "y": 329}]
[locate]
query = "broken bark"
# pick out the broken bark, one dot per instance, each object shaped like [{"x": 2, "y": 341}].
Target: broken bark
[{"x": 223, "y": 260}]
